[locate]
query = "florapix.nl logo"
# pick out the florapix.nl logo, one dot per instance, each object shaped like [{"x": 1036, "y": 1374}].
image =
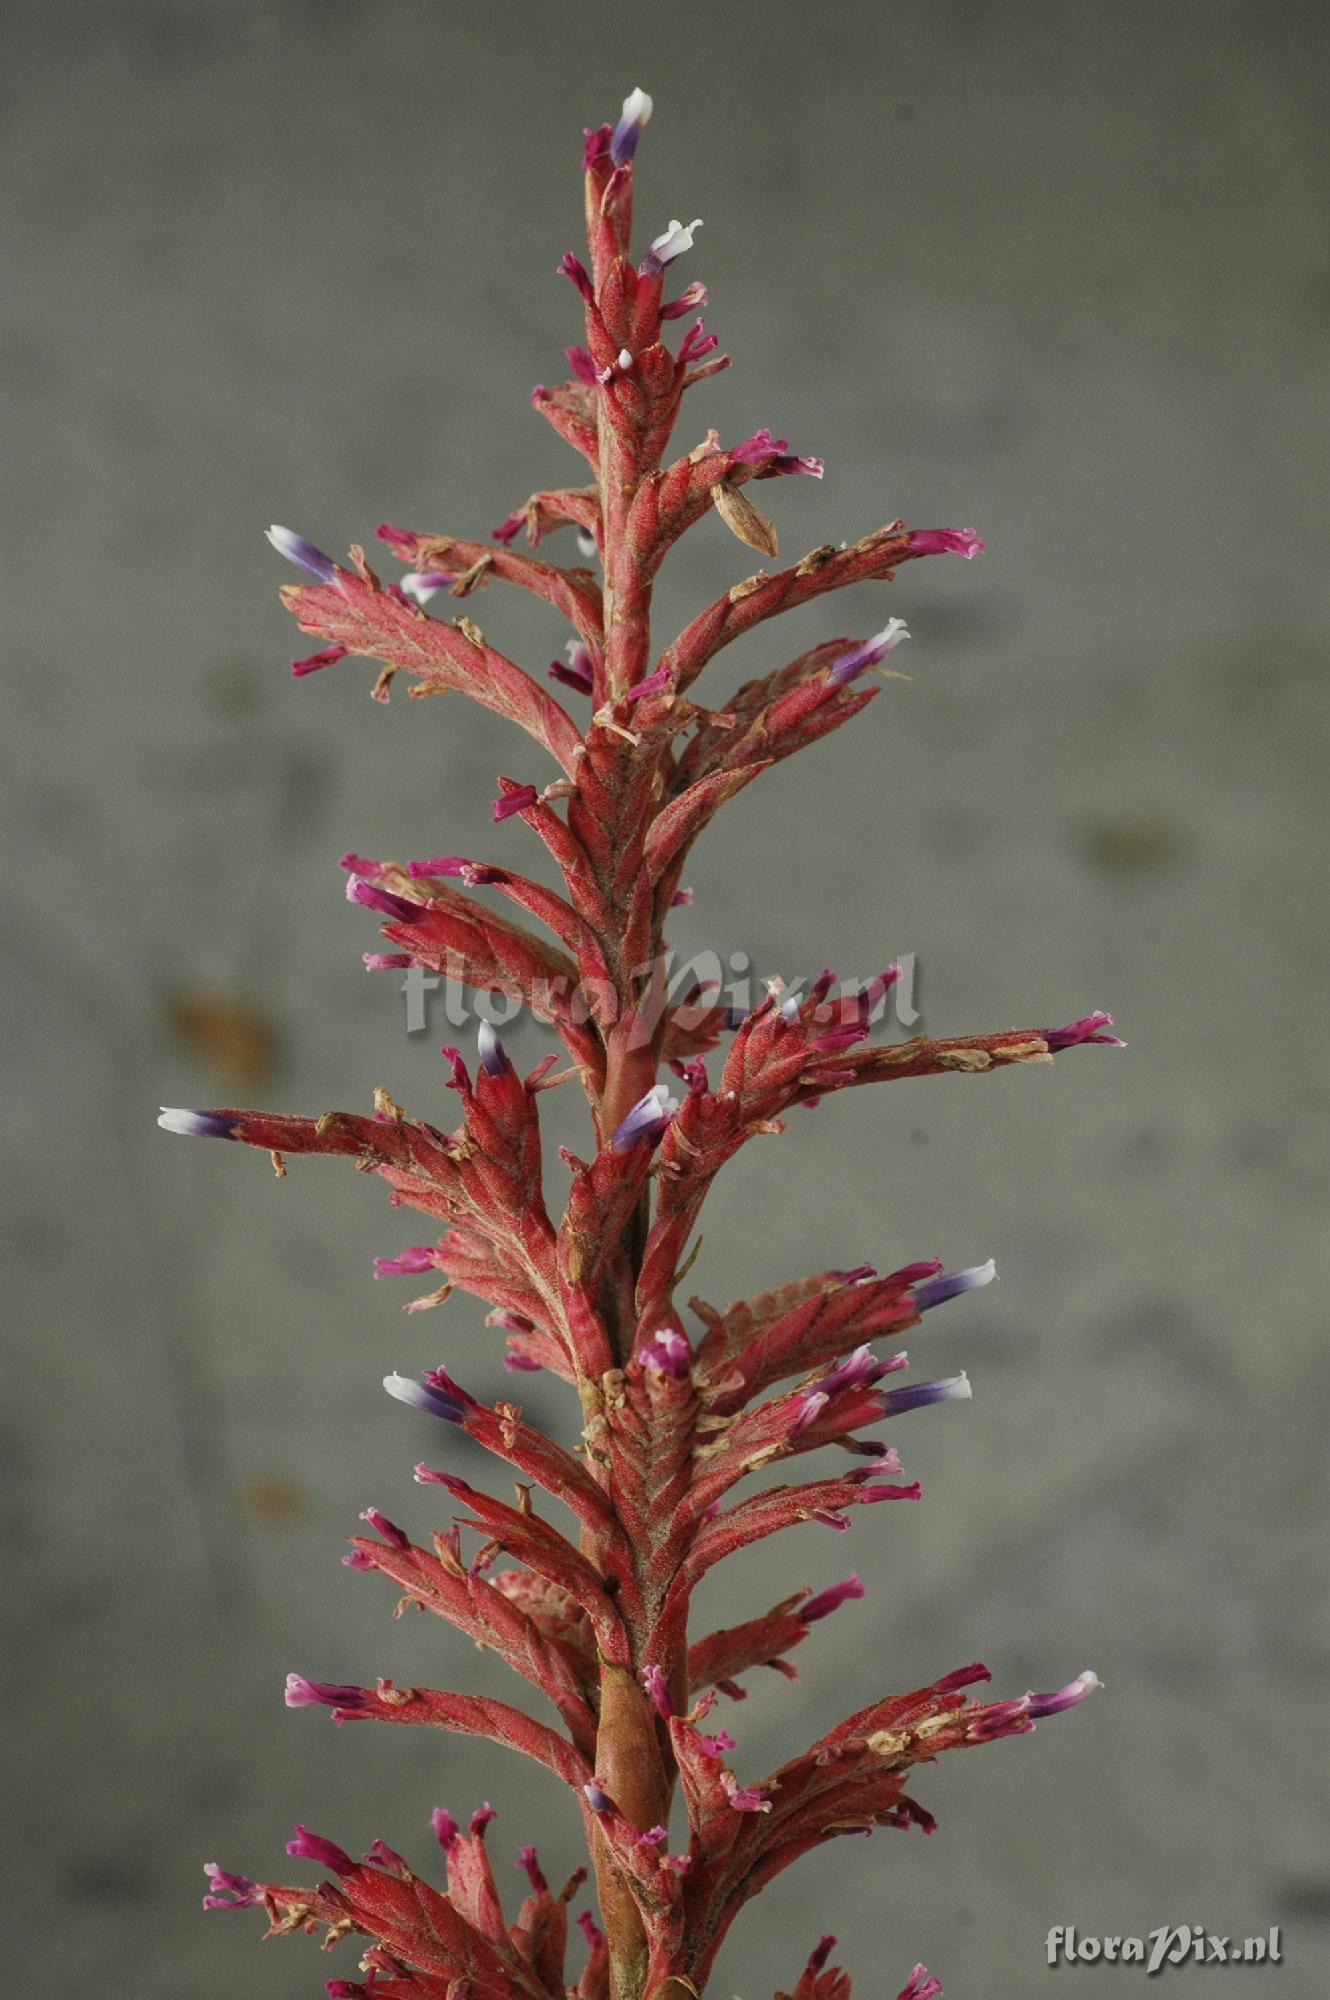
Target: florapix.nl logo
[
  {"x": 691, "y": 988},
  {"x": 1168, "y": 1945}
]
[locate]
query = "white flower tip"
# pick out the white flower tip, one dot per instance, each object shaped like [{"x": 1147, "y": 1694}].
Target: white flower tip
[
  {"x": 282, "y": 539},
  {"x": 1089, "y": 1680},
  {"x": 401, "y": 1386},
  {"x": 982, "y": 1274},
  {"x": 959, "y": 1390},
  {"x": 183, "y": 1122},
  {"x": 353, "y": 883},
  {"x": 637, "y": 106}
]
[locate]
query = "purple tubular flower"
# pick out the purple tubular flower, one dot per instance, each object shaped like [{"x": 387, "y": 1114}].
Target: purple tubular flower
[
  {"x": 388, "y": 1530},
  {"x": 869, "y": 653},
  {"x": 747, "y": 1798},
  {"x": 445, "y": 1828},
  {"x": 327, "y": 658},
  {"x": 509, "y": 1321},
  {"x": 820, "y": 1953},
  {"x": 301, "y": 1693},
  {"x": 950, "y": 1285},
  {"x": 946, "y": 542},
  {"x": 623, "y": 140},
  {"x": 648, "y": 1119},
  {"x": 696, "y": 343},
  {"x": 681, "y": 899},
  {"x": 598, "y": 1799},
  {"x": 380, "y": 1855},
  {"x": 408, "y": 1265},
  {"x": 1064, "y": 1697},
  {"x": 474, "y": 873},
  {"x": 386, "y": 961},
  {"x": 481, "y": 1818},
  {"x": 492, "y": 1058},
  {"x": 788, "y": 462},
  {"x": 358, "y": 1560},
  {"x": 861, "y": 1371},
  {"x": 198, "y": 1124},
  {"x": 521, "y": 1364},
  {"x": 918, "y": 1395},
  {"x": 657, "y": 683},
  {"x": 1087, "y": 1030},
  {"x": 303, "y": 554},
  {"x": 668, "y": 1353},
  {"x": 671, "y": 243},
  {"x": 869, "y": 1495},
  {"x": 574, "y": 270},
  {"x": 577, "y": 674},
  {"x": 760, "y": 445},
  {"x": 371, "y": 897},
  {"x": 920, "y": 1986},
  {"x": 653, "y": 1680},
  {"x": 229, "y": 1892},
  {"x": 830, "y": 1600},
  {"x": 583, "y": 367},
  {"x": 423, "y": 584},
  {"x": 436, "y": 1402},
  {"x": 810, "y": 1409},
  {"x": 717, "y": 1745},
  {"x": 309, "y": 1846},
  {"x": 511, "y": 525},
  {"x": 655, "y": 1836},
  {"x": 691, "y": 299},
  {"x": 1001, "y": 1718},
  {"x": 519, "y": 801},
  {"x": 528, "y": 1858}
]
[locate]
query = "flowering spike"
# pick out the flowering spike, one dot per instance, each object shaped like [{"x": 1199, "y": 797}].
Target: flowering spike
[{"x": 594, "y": 1616}]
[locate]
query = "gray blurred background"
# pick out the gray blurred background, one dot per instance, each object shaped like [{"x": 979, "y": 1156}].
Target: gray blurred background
[{"x": 1056, "y": 270}]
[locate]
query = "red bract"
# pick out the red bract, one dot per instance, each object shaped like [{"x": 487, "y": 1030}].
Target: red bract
[{"x": 670, "y": 1422}]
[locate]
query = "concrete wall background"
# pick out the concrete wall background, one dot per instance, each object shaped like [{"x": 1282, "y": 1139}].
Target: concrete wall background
[{"x": 1057, "y": 270}]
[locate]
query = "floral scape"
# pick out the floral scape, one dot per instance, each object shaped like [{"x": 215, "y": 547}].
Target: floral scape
[{"x": 679, "y": 1404}]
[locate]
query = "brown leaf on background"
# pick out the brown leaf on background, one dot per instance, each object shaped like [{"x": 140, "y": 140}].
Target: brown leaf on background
[{"x": 233, "y": 1040}]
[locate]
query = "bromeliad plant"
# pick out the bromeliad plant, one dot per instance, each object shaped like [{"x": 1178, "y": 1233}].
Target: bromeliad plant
[{"x": 597, "y": 1620}]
